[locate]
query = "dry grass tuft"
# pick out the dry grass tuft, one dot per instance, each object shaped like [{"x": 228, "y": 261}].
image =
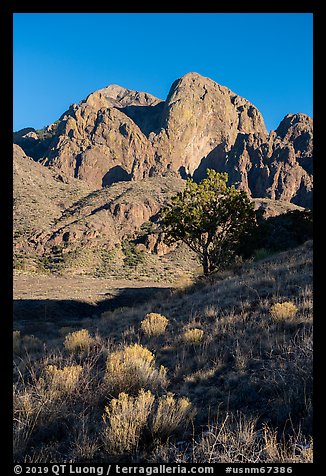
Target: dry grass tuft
[
  {"x": 284, "y": 310},
  {"x": 133, "y": 368},
  {"x": 25, "y": 419},
  {"x": 238, "y": 439},
  {"x": 125, "y": 418},
  {"x": 193, "y": 336},
  {"x": 154, "y": 324},
  {"x": 27, "y": 343},
  {"x": 170, "y": 414},
  {"x": 79, "y": 341},
  {"x": 210, "y": 312},
  {"x": 62, "y": 382}
]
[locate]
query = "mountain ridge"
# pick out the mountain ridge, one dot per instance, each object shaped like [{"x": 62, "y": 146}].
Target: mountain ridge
[{"x": 119, "y": 134}]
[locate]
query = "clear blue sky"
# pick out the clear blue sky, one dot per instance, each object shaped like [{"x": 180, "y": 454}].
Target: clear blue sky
[{"x": 60, "y": 58}]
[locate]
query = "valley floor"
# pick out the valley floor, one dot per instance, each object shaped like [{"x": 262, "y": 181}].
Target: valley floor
[{"x": 45, "y": 302}]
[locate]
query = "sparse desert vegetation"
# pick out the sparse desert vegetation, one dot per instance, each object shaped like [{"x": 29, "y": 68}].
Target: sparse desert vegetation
[
  {"x": 216, "y": 371},
  {"x": 162, "y": 246},
  {"x": 154, "y": 324}
]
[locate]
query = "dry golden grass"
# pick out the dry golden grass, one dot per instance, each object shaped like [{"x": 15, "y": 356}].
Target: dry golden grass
[
  {"x": 170, "y": 414},
  {"x": 125, "y": 418},
  {"x": 193, "y": 336},
  {"x": 283, "y": 310},
  {"x": 249, "y": 377},
  {"x": 25, "y": 419},
  {"x": 62, "y": 382},
  {"x": 211, "y": 312},
  {"x": 133, "y": 368},
  {"x": 85, "y": 444},
  {"x": 154, "y": 324},
  {"x": 79, "y": 341},
  {"x": 237, "y": 438}
]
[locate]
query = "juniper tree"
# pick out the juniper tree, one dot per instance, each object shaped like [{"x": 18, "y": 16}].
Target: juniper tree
[{"x": 210, "y": 217}]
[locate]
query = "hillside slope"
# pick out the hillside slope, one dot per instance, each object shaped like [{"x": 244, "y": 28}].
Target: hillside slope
[
  {"x": 70, "y": 228},
  {"x": 39, "y": 197},
  {"x": 243, "y": 369}
]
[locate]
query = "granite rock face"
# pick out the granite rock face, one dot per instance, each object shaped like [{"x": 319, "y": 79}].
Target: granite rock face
[
  {"x": 278, "y": 166},
  {"x": 117, "y": 134},
  {"x": 201, "y": 117}
]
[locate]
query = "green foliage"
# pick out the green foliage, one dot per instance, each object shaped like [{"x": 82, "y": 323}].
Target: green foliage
[
  {"x": 148, "y": 227},
  {"x": 211, "y": 218},
  {"x": 45, "y": 133},
  {"x": 133, "y": 256}
]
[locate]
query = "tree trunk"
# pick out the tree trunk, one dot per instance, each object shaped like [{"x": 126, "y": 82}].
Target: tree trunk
[{"x": 205, "y": 264}]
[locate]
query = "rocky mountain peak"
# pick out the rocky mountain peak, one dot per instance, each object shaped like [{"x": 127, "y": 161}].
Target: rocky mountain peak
[
  {"x": 118, "y": 96},
  {"x": 294, "y": 125},
  {"x": 120, "y": 134}
]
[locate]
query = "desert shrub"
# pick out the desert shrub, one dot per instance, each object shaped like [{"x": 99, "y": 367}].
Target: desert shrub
[
  {"x": 27, "y": 343},
  {"x": 125, "y": 417},
  {"x": 154, "y": 324},
  {"x": 79, "y": 341},
  {"x": 18, "y": 261},
  {"x": 62, "y": 382},
  {"x": 31, "y": 343},
  {"x": 284, "y": 310},
  {"x": 193, "y": 336},
  {"x": 133, "y": 256},
  {"x": 133, "y": 368},
  {"x": 169, "y": 415}
]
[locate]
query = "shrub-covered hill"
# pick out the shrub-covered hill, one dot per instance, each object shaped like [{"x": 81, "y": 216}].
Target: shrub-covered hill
[
  {"x": 220, "y": 371},
  {"x": 69, "y": 229}
]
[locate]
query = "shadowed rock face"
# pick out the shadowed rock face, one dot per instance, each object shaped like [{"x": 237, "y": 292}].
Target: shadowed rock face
[
  {"x": 117, "y": 134},
  {"x": 277, "y": 166}
]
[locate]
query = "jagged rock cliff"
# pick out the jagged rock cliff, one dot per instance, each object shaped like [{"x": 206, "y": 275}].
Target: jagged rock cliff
[
  {"x": 277, "y": 166},
  {"x": 117, "y": 134}
]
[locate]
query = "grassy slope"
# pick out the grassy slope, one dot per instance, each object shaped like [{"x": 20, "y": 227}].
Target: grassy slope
[{"x": 249, "y": 379}]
